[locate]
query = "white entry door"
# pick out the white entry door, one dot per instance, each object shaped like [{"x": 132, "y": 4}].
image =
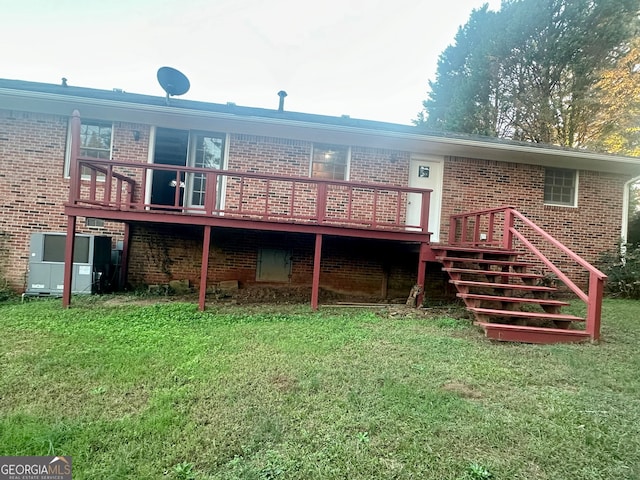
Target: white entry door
[
  {"x": 205, "y": 151},
  {"x": 426, "y": 172}
]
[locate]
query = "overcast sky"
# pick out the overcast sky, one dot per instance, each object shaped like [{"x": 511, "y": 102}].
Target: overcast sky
[{"x": 368, "y": 59}]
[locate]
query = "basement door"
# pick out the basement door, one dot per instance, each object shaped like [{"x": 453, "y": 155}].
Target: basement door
[
  {"x": 274, "y": 265},
  {"x": 426, "y": 172}
]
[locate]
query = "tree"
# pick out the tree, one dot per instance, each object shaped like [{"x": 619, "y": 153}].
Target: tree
[
  {"x": 529, "y": 71},
  {"x": 615, "y": 126}
]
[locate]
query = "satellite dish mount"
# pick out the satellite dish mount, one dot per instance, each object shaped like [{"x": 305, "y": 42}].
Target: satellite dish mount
[{"x": 173, "y": 82}]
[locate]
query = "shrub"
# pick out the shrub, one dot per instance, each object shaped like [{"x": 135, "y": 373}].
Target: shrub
[{"x": 622, "y": 266}]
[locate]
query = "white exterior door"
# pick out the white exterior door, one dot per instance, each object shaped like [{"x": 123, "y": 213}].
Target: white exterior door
[
  {"x": 205, "y": 151},
  {"x": 426, "y": 172}
]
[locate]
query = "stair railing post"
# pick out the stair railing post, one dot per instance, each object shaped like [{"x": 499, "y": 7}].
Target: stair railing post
[
  {"x": 594, "y": 307},
  {"x": 507, "y": 235},
  {"x": 453, "y": 224}
]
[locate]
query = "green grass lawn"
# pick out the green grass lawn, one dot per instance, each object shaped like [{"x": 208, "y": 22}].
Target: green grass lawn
[{"x": 165, "y": 391}]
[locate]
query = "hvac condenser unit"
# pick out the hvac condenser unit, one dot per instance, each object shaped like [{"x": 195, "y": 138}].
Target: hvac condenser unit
[{"x": 91, "y": 263}]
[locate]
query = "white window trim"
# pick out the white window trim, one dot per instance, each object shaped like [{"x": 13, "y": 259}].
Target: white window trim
[
  {"x": 574, "y": 204},
  {"x": 67, "y": 154},
  {"x": 347, "y": 172}
]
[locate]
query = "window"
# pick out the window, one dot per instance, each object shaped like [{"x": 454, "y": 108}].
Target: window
[
  {"x": 329, "y": 162},
  {"x": 560, "y": 186},
  {"x": 94, "y": 222},
  {"x": 95, "y": 142}
]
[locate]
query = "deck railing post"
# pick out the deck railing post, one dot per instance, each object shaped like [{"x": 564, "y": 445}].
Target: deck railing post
[
  {"x": 178, "y": 192},
  {"x": 210, "y": 193},
  {"x": 74, "y": 180},
  {"x": 594, "y": 306},
  {"x": 321, "y": 205},
  {"x": 106, "y": 197},
  {"x": 507, "y": 235},
  {"x": 424, "y": 213}
]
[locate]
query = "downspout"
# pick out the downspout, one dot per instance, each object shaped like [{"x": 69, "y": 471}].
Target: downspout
[{"x": 625, "y": 212}]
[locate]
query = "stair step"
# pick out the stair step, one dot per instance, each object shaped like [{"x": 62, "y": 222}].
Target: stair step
[
  {"x": 516, "y": 313},
  {"x": 524, "y": 334},
  {"x": 505, "y": 286},
  {"x": 498, "y": 298},
  {"x": 492, "y": 273},
  {"x": 507, "y": 263}
]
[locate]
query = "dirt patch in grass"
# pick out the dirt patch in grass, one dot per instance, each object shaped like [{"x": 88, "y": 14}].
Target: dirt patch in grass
[
  {"x": 462, "y": 389},
  {"x": 251, "y": 295},
  {"x": 284, "y": 383}
]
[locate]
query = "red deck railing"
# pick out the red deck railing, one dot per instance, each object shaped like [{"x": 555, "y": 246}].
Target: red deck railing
[
  {"x": 119, "y": 185},
  {"x": 252, "y": 196},
  {"x": 497, "y": 228}
]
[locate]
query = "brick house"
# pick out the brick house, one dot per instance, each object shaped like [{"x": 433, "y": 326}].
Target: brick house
[{"x": 213, "y": 192}]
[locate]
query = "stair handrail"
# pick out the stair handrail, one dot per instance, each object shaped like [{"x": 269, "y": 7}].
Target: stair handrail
[{"x": 592, "y": 299}]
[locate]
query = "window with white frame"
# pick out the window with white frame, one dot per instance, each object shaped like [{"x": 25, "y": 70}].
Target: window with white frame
[
  {"x": 330, "y": 162},
  {"x": 96, "y": 140},
  {"x": 560, "y": 186}
]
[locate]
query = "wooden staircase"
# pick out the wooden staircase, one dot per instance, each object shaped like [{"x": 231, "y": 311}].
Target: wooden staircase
[{"x": 507, "y": 300}]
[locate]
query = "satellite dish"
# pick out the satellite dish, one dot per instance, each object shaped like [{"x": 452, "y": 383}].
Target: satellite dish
[{"x": 173, "y": 81}]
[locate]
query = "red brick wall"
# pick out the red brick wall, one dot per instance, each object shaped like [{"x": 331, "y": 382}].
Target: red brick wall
[
  {"x": 589, "y": 229},
  {"x": 160, "y": 254},
  {"x": 33, "y": 189}
]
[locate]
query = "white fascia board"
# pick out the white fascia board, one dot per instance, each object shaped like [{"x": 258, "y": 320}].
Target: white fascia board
[{"x": 171, "y": 117}]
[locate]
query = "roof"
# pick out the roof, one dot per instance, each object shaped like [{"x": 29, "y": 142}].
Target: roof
[
  {"x": 118, "y": 95},
  {"x": 57, "y": 98}
]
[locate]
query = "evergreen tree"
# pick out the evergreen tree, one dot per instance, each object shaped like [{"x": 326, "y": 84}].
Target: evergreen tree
[{"x": 529, "y": 71}]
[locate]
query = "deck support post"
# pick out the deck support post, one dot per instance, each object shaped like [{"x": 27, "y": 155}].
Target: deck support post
[
  {"x": 68, "y": 260},
  {"x": 315, "y": 287},
  {"x": 422, "y": 272},
  {"x": 204, "y": 268},
  {"x": 124, "y": 260}
]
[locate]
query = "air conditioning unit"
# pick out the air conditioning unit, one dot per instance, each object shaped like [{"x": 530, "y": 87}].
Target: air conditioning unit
[{"x": 92, "y": 267}]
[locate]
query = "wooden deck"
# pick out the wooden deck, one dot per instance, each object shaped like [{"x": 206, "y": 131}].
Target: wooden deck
[{"x": 131, "y": 192}]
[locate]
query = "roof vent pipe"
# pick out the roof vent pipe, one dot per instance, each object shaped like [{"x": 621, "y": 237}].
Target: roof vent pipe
[{"x": 281, "y": 94}]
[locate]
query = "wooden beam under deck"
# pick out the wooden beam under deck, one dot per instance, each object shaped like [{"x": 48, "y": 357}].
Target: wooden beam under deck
[{"x": 157, "y": 216}]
